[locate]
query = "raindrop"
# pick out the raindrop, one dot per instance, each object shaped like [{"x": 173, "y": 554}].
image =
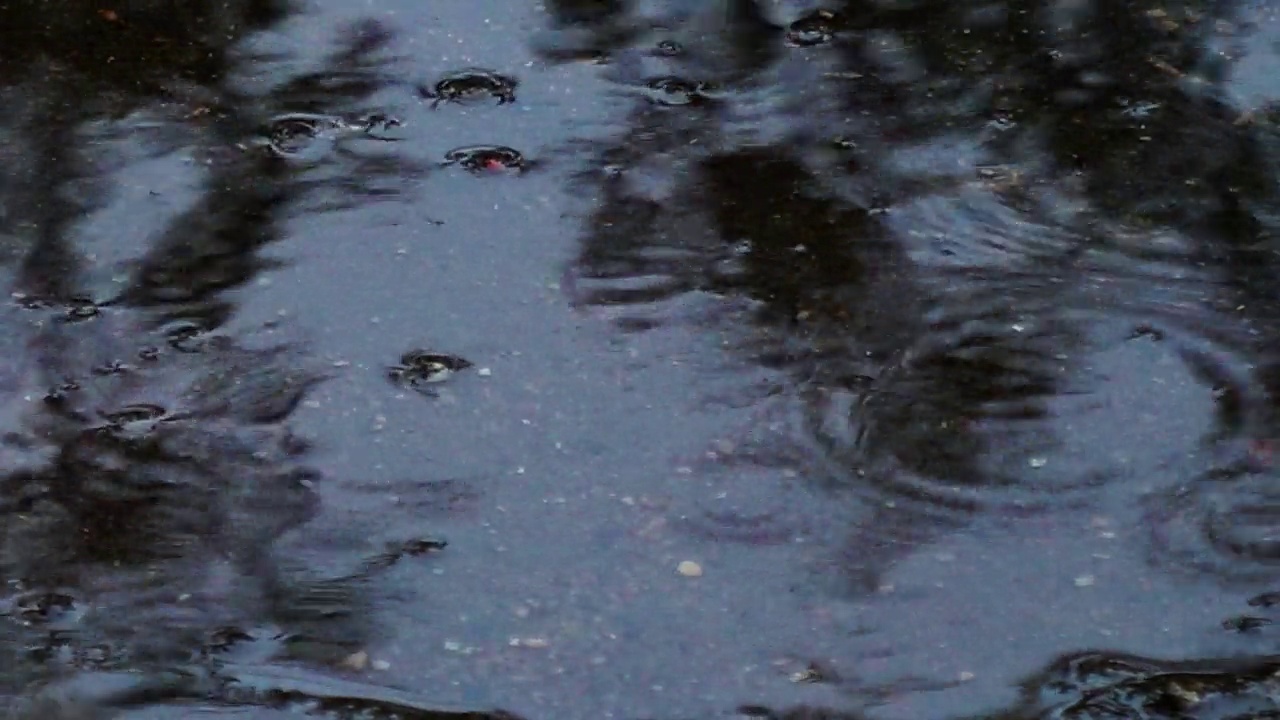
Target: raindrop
[{"x": 470, "y": 84}]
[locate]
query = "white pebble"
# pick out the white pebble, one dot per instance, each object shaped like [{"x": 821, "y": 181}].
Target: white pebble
[{"x": 689, "y": 568}]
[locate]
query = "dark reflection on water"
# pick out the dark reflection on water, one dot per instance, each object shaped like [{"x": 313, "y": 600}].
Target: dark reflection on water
[
  {"x": 952, "y": 232},
  {"x": 1096, "y": 685},
  {"x": 984, "y": 263},
  {"x": 967, "y": 206},
  {"x": 149, "y": 467}
]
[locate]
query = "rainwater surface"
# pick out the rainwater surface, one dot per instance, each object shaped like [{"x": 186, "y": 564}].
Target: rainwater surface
[{"x": 663, "y": 359}]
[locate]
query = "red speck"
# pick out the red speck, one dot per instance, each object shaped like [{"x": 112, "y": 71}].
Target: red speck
[{"x": 493, "y": 164}]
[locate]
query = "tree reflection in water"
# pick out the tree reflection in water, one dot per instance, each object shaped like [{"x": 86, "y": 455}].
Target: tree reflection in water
[
  {"x": 149, "y": 468},
  {"x": 928, "y": 227},
  {"x": 935, "y": 227}
]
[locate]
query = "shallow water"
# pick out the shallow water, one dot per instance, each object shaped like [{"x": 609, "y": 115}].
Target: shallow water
[{"x": 941, "y": 337}]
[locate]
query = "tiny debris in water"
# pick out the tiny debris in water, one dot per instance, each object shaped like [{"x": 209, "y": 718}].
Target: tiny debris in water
[
  {"x": 689, "y": 568},
  {"x": 536, "y": 643}
]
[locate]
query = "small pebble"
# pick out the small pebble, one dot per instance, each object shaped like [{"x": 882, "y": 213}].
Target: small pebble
[
  {"x": 689, "y": 568},
  {"x": 356, "y": 660}
]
